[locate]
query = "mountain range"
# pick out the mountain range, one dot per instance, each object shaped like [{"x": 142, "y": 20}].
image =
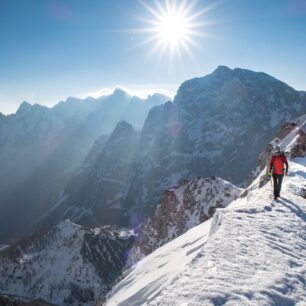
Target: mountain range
[
  {"x": 182, "y": 224},
  {"x": 41, "y": 149},
  {"x": 216, "y": 126}
]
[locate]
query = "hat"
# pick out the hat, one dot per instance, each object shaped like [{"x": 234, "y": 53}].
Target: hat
[{"x": 276, "y": 150}]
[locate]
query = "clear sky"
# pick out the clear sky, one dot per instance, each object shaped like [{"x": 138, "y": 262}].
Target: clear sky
[{"x": 52, "y": 49}]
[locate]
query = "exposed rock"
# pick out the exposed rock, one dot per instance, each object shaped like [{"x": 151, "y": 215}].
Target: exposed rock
[{"x": 183, "y": 207}]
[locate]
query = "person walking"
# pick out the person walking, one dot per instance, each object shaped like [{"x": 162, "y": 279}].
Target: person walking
[{"x": 277, "y": 163}]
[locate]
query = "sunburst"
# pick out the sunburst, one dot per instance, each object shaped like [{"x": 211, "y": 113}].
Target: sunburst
[{"x": 174, "y": 27}]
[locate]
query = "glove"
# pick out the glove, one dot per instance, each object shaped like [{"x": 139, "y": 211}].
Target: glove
[{"x": 269, "y": 174}]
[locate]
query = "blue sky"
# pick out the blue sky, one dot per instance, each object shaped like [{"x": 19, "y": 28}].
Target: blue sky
[{"x": 52, "y": 49}]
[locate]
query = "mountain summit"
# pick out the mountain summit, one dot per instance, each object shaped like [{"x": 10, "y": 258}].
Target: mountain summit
[
  {"x": 23, "y": 108},
  {"x": 216, "y": 126}
]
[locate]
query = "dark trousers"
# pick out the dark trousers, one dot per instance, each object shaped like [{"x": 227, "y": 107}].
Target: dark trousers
[{"x": 277, "y": 179}]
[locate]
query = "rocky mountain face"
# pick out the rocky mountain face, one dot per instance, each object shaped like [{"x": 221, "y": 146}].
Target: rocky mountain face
[
  {"x": 66, "y": 265},
  {"x": 95, "y": 193},
  {"x": 182, "y": 207},
  {"x": 217, "y": 125},
  {"x": 41, "y": 149}
]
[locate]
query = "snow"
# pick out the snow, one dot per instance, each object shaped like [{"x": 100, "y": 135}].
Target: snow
[
  {"x": 254, "y": 256},
  {"x": 62, "y": 266},
  {"x": 158, "y": 270},
  {"x": 288, "y": 142},
  {"x": 251, "y": 253},
  {"x": 3, "y": 246}
]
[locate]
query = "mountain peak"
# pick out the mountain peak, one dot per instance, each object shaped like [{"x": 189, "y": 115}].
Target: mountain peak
[
  {"x": 222, "y": 69},
  {"x": 123, "y": 125},
  {"x": 122, "y": 129},
  {"x": 23, "y": 108},
  {"x": 120, "y": 92}
]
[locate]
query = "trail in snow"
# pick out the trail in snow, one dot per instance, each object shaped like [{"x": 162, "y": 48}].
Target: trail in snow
[
  {"x": 256, "y": 257},
  {"x": 255, "y": 254}
]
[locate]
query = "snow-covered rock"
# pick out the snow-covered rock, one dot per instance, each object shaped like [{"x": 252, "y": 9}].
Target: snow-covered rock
[
  {"x": 66, "y": 265},
  {"x": 183, "y": 207},
  {"x": 298, "y": 149},
  {"x": 251, "y": 253}
]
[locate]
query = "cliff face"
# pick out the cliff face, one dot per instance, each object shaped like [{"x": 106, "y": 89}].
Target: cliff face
[{"x": 183, "y": 207}]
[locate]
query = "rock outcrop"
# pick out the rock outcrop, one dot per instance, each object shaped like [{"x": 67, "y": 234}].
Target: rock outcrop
[{"x": 183, "y": 207}]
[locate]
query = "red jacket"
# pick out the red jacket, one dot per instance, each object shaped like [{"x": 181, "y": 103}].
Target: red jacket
[{"x": 278, "y": 162}]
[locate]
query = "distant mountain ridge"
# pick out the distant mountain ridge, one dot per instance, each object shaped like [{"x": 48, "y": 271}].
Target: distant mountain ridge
[
  {"x": 217, "y": 125},
  {"x": 95, "y": 193},
  {"x": 41, "y": 148}
]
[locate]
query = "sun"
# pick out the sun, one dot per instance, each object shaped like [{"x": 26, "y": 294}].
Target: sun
[{"x": 174, "y": 27}]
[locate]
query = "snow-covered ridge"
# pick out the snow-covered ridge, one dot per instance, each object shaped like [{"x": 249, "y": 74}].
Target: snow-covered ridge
[
  {"x": 251, "y": 253},
  {"x": 67, "y": 265},
  {"x": 295, "y": 133},
  {"x": 182, "y": 207}
]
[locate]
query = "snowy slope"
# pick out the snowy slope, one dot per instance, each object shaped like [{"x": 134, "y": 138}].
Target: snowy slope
[
  {"x": 251, "y": 253},
  {"x": 159, "y": 270},
  {"x": 66, "y": 265}
]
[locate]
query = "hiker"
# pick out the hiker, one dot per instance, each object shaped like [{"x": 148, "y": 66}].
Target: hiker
[{"x": 278, "y": 160}]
